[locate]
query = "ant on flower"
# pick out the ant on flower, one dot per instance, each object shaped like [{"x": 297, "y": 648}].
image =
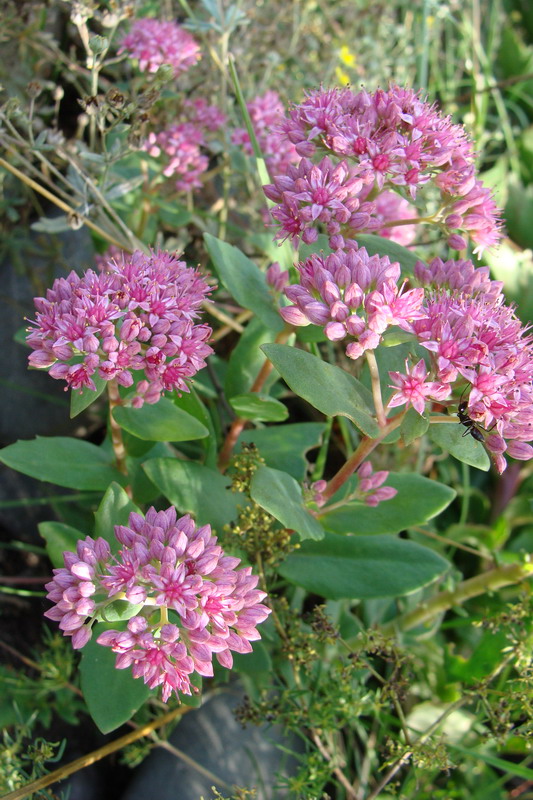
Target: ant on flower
[{"x": 472, "y": 427}]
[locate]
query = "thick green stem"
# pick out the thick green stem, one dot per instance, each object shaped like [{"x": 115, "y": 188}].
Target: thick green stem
[
  {"x": 376, "y": 388},
  {"x": 116, "y": 432},
  {"x": 482, "y": 584}
]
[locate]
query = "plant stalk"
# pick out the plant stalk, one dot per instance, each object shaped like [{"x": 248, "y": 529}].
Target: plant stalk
[
  {"x": 366, "y": 446},
  {"x": 237, "y": 426},
  {"x": 376, "y": 388},
  {"x": 116, "y": 432},
  {"x": 473, "y": 587}
]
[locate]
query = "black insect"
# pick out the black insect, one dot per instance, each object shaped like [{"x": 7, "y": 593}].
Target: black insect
[{"x": 470, "y": 425}]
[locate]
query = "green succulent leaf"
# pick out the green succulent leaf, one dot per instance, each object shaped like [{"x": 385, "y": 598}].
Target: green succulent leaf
[
  {"x": 79, "y": 401},
  {"x": 195, "y": 489},
  {"x": 161, "y": 422},
  {"x": 413, "y": 426},
  {"x": 112, "y": 695},
  {"x": 115, "y": 509},
  {"x": 418, "y": 500},
  {"x": 362, "y": 567},
  {"x": 326, "y": 387},
  {"x": 59, "y": 538},
  {"x": 463, "y": 447},
  {"x": 284, "y": 446},
  {"x": 244, "y": 280},
  {"x": 260, "y": 407},
  {"x": 62, "y": 460},
  {"x": 280, "y": 495}
]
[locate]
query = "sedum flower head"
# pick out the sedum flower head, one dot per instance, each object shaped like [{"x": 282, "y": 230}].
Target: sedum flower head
[
  {"x": 386, "y": 140},
  {"x": 394, "y": 134},
  {"x": 180, "y": 147},
  {"x": 133, "y": 317},
  {"x": 475, "y": 343},
  {"x": 154, "y": 42},
  {"x": 184, "y": 146},
  {"x": 352, "y": 296},
  {"x": 194, "y": 601},
  {"x": 204, "y": 116}
]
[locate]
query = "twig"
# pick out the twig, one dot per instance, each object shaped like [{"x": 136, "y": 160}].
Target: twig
[
  {"x": 366, "y": 445},
  {"x": 215, "y": 312},
  {"x": 91, "y": 758},
  {"x": 337, "y": 771},
  {"x": 450, "y": 542},
  {"x": 60, "y": 204},
  {"x": 192, "y": 763}
]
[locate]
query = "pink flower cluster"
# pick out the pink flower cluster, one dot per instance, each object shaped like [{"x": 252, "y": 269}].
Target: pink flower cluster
[
  {"x": 182, "y": 145},
  {"x": 388, "y": 139},
  {"x": 352, "y": 296},
  {"x": 266, "y": 112},
  {"x": 135, "y": 315},
  {"x": 200, "y": 113},
  {"x": 154, "y": 42},
  {"x": 370, "y": 488},
  {"x": 195, "y": 602},
  {"x": 476, "y": 344}
]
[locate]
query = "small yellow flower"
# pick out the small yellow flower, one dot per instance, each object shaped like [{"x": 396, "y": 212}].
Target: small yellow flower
[
  {"x": 348, "y": 58},
  {"x": 342, "y": 77}
]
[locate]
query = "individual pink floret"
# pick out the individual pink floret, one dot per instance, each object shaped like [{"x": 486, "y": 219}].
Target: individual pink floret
[
  {"x": 154, "y": 42},
  {"x": 411, "y": 388}
]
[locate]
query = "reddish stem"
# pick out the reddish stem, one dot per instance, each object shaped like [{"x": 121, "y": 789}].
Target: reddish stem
[
  {"x": 238, "y": 424},
  {"x": 366, "y": 445}
]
